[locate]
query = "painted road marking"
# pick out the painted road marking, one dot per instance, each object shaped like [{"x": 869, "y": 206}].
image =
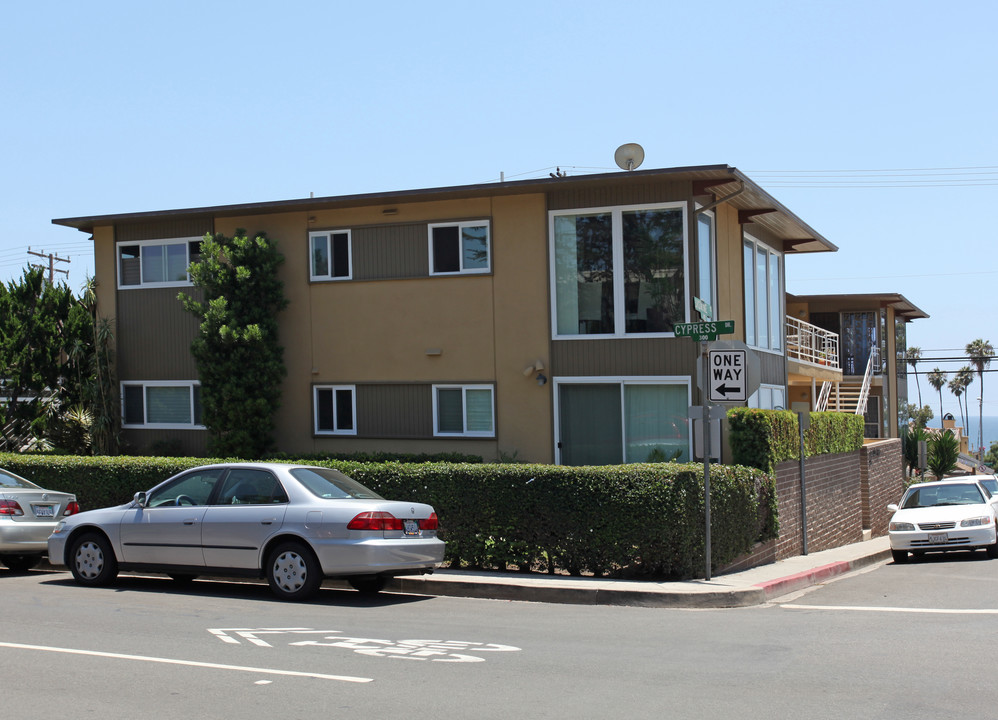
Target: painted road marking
[
  {"x": 433, "y": 650},
  {"x": 874, "y": 608},
  {"x": 189, "y": 663}
]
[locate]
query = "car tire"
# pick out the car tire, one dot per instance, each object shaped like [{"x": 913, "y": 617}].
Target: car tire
[
  {"x": 900, "y": 556},
  {"x": 368, "y": 584},
  {"x": 293, "y": 572},
  {"x": 20, "y": 563},
  {"x": 92, "y": 561}
]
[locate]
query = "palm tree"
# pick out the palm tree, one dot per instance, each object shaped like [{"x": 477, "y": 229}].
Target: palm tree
[
  {"x": 937, "y": 379},
  {"x": 956, "y": 387},
  {"x": 966, "y": 376},
  {"x": 980, "y": 353},
  {"x": 913, "y": 355}
]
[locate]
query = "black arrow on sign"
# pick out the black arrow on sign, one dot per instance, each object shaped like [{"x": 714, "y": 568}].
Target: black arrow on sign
[{"x": 724, "y": 389}]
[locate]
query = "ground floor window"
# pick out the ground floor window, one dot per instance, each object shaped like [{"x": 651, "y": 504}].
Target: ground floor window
[
  {"x": 610, "y": 421},
  {"x": 335, "y": 409},
  {"x": 463, "y": 410},
  {"x": 161, "y": 404},
  {"x": 769, "y": 397}
]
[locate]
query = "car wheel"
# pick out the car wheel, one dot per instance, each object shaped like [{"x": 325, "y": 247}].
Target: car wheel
[
  {"x": 293, "y": 571},
  {"x": 900, "y": 556},
  {"x": 92, "y": 561},
  {"x": 368, "y": 584},
  {"x": 20, "y": 563}
]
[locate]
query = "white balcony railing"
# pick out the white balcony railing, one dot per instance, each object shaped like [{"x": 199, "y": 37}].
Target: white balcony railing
[{"x": 811, "y": 344}]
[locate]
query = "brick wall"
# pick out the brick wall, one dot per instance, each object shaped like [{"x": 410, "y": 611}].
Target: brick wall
[
  {"x": 882, "y": 477},
  {"x": 834, "y": 503}
]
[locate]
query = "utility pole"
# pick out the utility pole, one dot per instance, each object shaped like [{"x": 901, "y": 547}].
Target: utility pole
[{"x": 53, "y": 259}]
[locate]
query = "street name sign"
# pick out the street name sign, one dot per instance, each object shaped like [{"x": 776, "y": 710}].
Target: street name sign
[
  {"x": 728, "y": 374},
  {"x": 704, "y": 331}
]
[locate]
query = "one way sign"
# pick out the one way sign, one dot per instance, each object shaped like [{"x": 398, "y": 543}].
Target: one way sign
[{"x": 728, "y": 375}]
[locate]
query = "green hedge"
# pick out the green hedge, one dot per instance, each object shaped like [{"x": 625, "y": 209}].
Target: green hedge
[
  {"x": 628, "y": 520},
  {"x": 764, "y": 438}
]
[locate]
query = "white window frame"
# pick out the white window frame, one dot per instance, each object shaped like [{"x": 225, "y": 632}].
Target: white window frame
[
  {"x": 712, "y": 300},
  {"x": 460, "y": 253},
  {"x": 619, "y": 300},
  {"x": 751, "y": 280},
  {"x": 328, "y": 234},
  {"x": 336, "y": 420},
  {"x": 142, "y": 244},
  {"x": 464, "y": 410},
  {"x": 623, "y": 381},
  {"x": 766, "y": 391},
  {"x": 145, "y": 385}
]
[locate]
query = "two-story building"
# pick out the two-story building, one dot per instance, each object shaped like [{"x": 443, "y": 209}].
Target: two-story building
[{"x": 531, "y": 319}]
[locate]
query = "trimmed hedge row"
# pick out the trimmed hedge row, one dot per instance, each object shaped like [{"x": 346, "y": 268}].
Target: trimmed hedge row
[
  {"x": 628, "y": 520},
  {"x": 764, "y": 438}
]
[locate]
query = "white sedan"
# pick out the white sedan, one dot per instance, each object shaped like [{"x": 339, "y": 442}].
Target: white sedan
[
  {"x": 955, "y": 514},
  {"x": 291, "y": 524}
]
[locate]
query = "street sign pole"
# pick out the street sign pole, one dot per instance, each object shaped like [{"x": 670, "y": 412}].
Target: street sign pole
[{"x": 704, "y": 396}]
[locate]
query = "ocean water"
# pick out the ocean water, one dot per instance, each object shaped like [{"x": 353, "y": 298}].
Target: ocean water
[{"x": 990, "y": 425}]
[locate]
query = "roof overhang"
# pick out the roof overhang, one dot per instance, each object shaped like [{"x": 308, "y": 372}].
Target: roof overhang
[
  {"x": 754, "y": 204},
  {"x": 903, "y": 307}
]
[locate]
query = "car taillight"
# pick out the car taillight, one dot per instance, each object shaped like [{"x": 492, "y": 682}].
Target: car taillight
[
  {"x": 379, "y": 520},
  {"x": 10, "y": 507},
  {"x": 71, "y": 508},
  {"x": 429, "y": 523}
]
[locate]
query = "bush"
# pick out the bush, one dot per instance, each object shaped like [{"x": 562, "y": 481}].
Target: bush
[
  {"x": 765, "y": 438},
  {"x": 634, "y": 520}
]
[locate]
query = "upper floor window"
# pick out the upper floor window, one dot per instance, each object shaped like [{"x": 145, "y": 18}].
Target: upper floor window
[
  {"x": 619, "y": 271},
  {"x": 465, "y": 410},
  {"x": 706, "y": 254},
  {"x": 764, "y": 313},
  {"x": 335, "y": 410},
  {"x": 161, "y": 404},
  {"x": 462, "y": 247},
  {"x": 330, "y": 255},
  {"x": 156, "y": 263}
]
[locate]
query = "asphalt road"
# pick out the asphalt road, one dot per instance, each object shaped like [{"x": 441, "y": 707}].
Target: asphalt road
[{"x": 914, "y": 640}]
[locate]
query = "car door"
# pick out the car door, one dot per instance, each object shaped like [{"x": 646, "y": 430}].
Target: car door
[
  {"x": 250, "y": 509},
  {"x": 167, "y": 531}
]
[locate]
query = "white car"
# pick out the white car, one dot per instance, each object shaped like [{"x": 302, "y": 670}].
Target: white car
[
  {"x": 291, "y": 524},
  {"x": 954, "y": 514}
]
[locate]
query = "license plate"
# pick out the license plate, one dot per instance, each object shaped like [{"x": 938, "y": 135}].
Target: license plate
[
  {"x": 43, "y": 510},
  {"x": 938, "y": 538},
  {"x": 410, "y": 527}
]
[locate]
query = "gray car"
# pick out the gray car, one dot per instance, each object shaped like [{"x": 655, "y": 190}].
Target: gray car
[
  {"x": 292, "y": 524},
  {"x": 28, "y": 515}
]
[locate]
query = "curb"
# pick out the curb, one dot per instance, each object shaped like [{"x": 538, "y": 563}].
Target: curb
[{"x": 792, "y": 583}]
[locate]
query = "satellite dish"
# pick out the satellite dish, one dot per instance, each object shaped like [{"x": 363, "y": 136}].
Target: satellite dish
[{"x": 629, "y": 156}]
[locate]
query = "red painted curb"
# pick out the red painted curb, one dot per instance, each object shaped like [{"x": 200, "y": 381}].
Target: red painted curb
[{"x": 790, "y": 583}]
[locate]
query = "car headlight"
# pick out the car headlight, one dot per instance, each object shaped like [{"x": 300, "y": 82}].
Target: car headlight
[
  {"x": 901, "y": 526},
  {"x": 976, "y": 522},
  {"x": 59, "y": 527}
]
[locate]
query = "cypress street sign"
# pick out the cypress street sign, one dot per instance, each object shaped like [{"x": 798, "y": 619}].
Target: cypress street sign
[{"x": 704, "y": 331}]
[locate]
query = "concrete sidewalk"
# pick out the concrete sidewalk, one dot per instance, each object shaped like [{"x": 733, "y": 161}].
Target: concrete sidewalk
[{"x": 739, "y": 589}]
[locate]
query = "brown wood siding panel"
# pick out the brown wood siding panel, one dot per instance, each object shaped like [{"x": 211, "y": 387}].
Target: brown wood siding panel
[
  {"x": 154, "y": 336},
  {"x": 600, "y": 358},
  {"x": 181, "y": 227},
  {"x": 184, "y": 443},
  {"x": 632, "y": 194},
  {"x": 390, "y": 251},
  {"x": 395, "y": 411}
]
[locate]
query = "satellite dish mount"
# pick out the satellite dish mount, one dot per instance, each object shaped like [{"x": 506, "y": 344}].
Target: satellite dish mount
[{"x": 629, "y": 156}]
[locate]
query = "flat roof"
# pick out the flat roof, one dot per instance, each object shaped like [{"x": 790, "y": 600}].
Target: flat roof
[{"x": 758, "y": 205}]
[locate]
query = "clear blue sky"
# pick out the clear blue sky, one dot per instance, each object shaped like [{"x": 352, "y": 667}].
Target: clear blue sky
[{"x": 873, "y": 121}]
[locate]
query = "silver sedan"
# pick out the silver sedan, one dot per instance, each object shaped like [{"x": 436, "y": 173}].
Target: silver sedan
[
  {"x": 293, "y": 524},
  {"x": 28, "y": 515}
]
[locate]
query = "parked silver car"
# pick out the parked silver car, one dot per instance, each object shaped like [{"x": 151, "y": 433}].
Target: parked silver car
[
  {"x": 293, "y": 524},
  {"x": 28, "y": 515}
]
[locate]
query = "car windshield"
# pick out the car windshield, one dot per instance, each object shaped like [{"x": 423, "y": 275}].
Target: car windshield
[
  {"x": 9, "y": 480},
  {"x": 948, "y": 494},
  {"x": 332, "y": 484},
  {"x": 991, "y": 484}
]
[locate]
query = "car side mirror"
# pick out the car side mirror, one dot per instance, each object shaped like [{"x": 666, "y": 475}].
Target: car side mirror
[
  {"x": 140, "y": 499},
  {"x": 892, "y": 507}
]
